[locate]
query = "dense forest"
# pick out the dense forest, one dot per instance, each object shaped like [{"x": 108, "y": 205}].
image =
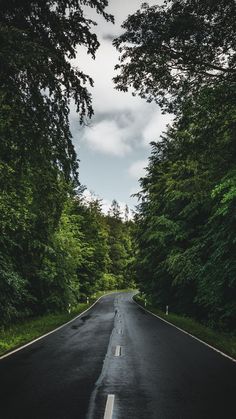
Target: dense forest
[
  {"x": 55, "y": 248},
  {"x": 182, "y": 56}
]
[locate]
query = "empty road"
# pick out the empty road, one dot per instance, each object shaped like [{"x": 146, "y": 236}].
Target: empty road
[{"x": 117, "y": 361}]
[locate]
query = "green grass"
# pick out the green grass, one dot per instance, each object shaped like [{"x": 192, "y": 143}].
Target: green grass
[
  {"x": 225, "y": 342},
  {"x": 23, "y": 332}
]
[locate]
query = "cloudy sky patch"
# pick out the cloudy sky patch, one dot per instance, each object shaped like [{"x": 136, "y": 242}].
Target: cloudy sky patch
[
  {"x": 106, "y": 137},
  {"x": 114, "y": 148},
  {"x": 137, "y": 169}
]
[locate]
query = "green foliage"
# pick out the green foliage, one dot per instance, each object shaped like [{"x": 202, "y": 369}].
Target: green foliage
[
  {"x": 121, "y": 247},
  {"x": 94, "y": 248},
  {"x": 182, "y": 55},
  {"x": 59, "y": 285},
  {"x": 13, "y": 293},
  {"x": 186, "y": 220},
  {"x": 109, "y": 282},
  {"x": 174, "y": 54},
  {"x": 55, "y": 249},
  {"x": 217, "y": 284},
  {"x": 169, "y": 52}
]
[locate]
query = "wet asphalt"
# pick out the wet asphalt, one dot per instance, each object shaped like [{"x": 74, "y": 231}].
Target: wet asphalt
[{"x": 154, "y": 370}]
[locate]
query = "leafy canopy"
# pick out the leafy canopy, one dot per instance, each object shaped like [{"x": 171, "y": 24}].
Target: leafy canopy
[
  {"x": 38, "y": 40},
  {"x": 186, "y": 218},
  {"x": 169, "y": 52}
]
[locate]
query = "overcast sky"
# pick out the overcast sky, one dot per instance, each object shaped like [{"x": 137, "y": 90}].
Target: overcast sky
[{"x": 113, "y": 150}]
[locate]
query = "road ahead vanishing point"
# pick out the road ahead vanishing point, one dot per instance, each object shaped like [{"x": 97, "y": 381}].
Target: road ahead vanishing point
[{"x": 117, "y": 362}]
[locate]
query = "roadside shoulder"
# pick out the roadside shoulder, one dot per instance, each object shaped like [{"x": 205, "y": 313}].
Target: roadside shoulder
[{"x": 198, "y": 338}]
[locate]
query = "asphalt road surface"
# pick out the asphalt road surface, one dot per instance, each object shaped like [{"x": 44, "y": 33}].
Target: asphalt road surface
[{"x": 117, "y": 362}]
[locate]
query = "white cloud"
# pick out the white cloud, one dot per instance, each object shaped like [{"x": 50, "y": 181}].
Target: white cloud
[
  {"x": 123, "y": 125},
  {"x": 102, "y": 72},
  {"x": 156, "y": 126},
  {"x": 137, "y": 169},
  {"x": 127, "y": 121},
  {"x": 120, "y": 9},
  {"x": 106, "y": 137}
]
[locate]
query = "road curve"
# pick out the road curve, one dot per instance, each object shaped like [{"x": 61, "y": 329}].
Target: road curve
[{"x": 119, "y": 362}]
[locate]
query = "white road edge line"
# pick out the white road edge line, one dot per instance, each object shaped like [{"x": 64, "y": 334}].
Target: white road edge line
[
  {"x": 189, "y": 334},
  {"x": 118, "y": 350},
  {"x": 109, "y": 406},
  {"x": 54, "y": 330}
]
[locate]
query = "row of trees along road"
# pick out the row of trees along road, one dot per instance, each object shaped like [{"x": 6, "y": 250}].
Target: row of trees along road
[
  {"x": 54, "y": 249},
  {"x": 182, "y": 56}
]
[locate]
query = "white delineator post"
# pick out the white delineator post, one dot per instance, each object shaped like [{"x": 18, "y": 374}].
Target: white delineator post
[{"x": 167, "y": 310}]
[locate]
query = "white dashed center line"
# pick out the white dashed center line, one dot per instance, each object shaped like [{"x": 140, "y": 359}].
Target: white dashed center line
[
  {"x": 109, "y": 406},
  {"x": 118, "y": 350}
]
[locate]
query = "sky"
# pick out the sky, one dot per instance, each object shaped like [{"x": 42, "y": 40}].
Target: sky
[{"x": 114, "y": 148}]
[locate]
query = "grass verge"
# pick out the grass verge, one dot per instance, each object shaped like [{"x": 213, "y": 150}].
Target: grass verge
[
  {"x": 23, "y": 332},
  {"x": 225, "y": 342}
]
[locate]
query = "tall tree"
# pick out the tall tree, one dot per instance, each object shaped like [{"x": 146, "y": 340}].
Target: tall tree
[
  {"x": 121, "y": 246},
  {"x": 37, "y": 79},
  {"x": 38, "y": 40},
  {"x": 114, "y": 210},
  {"x": 186, "y": 235},
  {"x": 169, "y": 52}
]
